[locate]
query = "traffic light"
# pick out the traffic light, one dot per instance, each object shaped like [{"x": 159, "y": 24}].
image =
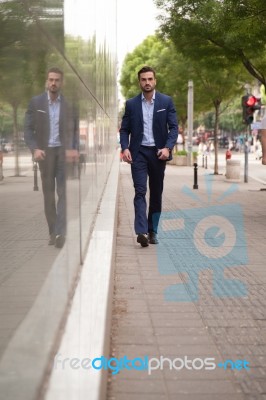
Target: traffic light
[{"x": 250, "y": 104}]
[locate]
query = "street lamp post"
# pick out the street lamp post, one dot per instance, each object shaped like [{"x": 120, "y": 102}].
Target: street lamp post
[{"x": 190, "y": 121}]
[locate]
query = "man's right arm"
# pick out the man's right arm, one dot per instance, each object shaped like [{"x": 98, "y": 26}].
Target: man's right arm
[
  {"x": 29, "y": 127},
  {"x": 124, "y": 135},
  {"x": 125, "y": 129},
  {"x": 30, "y": 133}
]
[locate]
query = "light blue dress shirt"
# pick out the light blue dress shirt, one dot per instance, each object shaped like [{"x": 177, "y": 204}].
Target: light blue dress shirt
[
  {"x": 54, "y": 112},
  {"x": 147, "y": 111}
]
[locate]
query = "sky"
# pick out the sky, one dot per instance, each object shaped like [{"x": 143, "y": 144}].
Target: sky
[{"x": 136, "y": 19}]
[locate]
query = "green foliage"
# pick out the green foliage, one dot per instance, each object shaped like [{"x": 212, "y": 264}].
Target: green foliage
[
  {"x": 6, "y": 121},
  {"x": 144, "y": 54},
  {"x": 210, "y": 29},
  {"x": 25, "y": 49},
  {"x": 181, "y": 153}
]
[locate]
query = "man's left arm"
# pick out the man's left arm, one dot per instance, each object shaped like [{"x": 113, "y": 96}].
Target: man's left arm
[
  {"x": 72, "y": 147},
  {"x": 172, "y": 132},
  {"x": 172, "y": 125}
]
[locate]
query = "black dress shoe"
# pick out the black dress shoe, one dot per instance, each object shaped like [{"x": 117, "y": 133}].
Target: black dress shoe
[
  {"x": 51, "y": 239},
  {"x": 153, "y": 238},
  {"x": 59, "y": 241},
  {"x": 142, "y": 238}
]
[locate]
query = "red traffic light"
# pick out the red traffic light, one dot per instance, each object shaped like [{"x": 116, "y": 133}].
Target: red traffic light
[
  {"x": 251, "y": 101},
  {"x": 250, "y": 104}
]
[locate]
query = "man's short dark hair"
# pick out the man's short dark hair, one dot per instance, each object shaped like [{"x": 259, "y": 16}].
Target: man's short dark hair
[
  {"x": 56, "y": 70},
  {"x": 146, "y": 69}
]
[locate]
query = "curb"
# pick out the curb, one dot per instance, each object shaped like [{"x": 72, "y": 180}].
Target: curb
[{"x": 87, "y": 332}]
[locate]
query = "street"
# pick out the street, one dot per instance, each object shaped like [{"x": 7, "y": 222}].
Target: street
[{"x": 256, "y": 170}]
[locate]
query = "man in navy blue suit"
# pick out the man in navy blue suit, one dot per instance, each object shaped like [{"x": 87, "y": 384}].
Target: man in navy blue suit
[
  {"x": 148, "y": 134},
  {"x": 51, "y": 133}
]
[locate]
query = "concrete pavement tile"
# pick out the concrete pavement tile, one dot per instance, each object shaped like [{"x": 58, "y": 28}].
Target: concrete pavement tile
[
  {"x": 230, "y": 323},
  {"x": 127, "y": 281},
  {"x": 197, "y": 350},
  {"x": 205, "y": 375},
  {"x": 125, "y": 260},
  {"x": 140, "y": 375},
  {"x": 169, "y": 307},
  {"x": 172, "y": 322},
  {"x": 256, "y": 350},
  {"x": 251, "y": 388},
  {"x": 253, "y": 336},
  {"x": 153, "y": 289},
  {"x": 206, "y": 396},
  {"x": 129, "y": 302},
  {"x": 179, "y": 331},
  {"x": 124, "y": 269},
  {"x": 133, "y": 339},
  {"x": 139, "y": 306},
  {"x": 184, "y": 339},
  {"x": 137, "y": 350},
  {"x": 255, "y": 373},
  {"x": 140, "y": 321},
  {"x": 138, "y": 396},
  {"x": 147, "y": 386},
  {"x": 176, "y": 314},
  {"x": 203, "y": 387},
  {"x": 130, "y": 294},
  {"x": 138, "y": 330},
  {"x": 261, "y": 324},
  {"x": 162, "y": 281}
]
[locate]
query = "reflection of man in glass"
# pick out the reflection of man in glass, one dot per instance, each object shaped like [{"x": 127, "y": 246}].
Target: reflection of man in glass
[{"x": 51, "y": 133}]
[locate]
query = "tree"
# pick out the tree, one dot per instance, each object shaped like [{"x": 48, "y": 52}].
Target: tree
[
  {"x": 210, "y": 28},
  {"x": 24, "y": 52},
  {"x": 220, "y": 82}
]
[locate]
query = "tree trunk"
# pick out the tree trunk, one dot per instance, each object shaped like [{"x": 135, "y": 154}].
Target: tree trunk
[
  {"x": 216, "y": 124},
  {"x": 16, "y": 139}
]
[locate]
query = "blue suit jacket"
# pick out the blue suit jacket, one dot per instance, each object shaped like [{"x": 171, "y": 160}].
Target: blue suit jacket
[
  {"x": 165, "y": 126},
  {"x": 37, "y": 124}
]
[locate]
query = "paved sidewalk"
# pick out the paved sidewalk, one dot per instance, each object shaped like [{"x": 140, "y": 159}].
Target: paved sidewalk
[{"x": 149, "y": 317}]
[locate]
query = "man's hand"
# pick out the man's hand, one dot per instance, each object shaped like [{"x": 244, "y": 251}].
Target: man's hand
[
  {"x": 38, "y": 155},
  {"x": 126, "y": 156},
  {"x": 163, "y": 154},
  {"x": 72, "y": 156}
]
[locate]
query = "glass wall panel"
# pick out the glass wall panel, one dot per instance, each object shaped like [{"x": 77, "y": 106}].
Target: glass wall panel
[{"x": 37, "y": 279}]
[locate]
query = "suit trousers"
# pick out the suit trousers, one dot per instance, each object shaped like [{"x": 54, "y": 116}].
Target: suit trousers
[
  {"x": 146, "y": 167},
  {"x": 53, "y": 177}
]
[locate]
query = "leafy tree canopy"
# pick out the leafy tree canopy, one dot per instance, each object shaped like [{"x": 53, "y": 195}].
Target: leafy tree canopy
[{"x": 210, "y": 28}]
